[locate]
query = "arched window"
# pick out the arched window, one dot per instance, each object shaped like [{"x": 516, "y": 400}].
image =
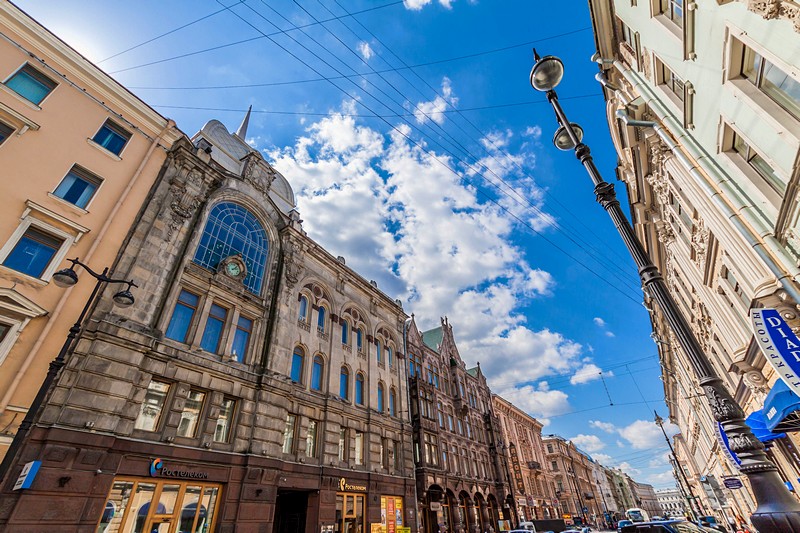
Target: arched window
[
  {"x": 345, "y": 332},
  {"x": 302, "y": 315},
  {"x": 378, "y": 353},
  {"x": 230, "y": 230},
  {"x": 380, "y": 397},
  {"x": 316, "y": 373},
  {"x": 298, "y": 357},
  {"x": 359, "y": 340},
  {"x": 360, "y": 388},
  {"x": 392, "y": 402},
  {"x": 321, "y": 319},
  {"x": 344, "y": 383},
  {"x": 390, "y": 356}
]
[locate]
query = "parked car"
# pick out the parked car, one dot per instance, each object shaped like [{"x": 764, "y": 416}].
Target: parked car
[
  {"x": 623, "y": 523},
  {"x": 666, "y": 526}
]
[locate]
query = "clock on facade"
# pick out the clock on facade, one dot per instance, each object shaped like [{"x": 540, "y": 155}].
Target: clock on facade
[{"x": 233, "y": 267}]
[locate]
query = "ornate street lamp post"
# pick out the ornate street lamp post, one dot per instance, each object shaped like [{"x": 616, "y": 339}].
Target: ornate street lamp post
[
  {"x": 64, "y": 278},
  {"x": 777, "y": 511},
  {"x": 689, "y": 497}
]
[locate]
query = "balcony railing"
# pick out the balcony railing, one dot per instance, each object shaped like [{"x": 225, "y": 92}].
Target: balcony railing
[{"x": 534, "y": 465}]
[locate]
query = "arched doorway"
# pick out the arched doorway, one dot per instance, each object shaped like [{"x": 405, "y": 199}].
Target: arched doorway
[
  {"x": 480, "y": 513},
  {"x": 492, "y": 510},
  {"x": 435, "y": 510}
]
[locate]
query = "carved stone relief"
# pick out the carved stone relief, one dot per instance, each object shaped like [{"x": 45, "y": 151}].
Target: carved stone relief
[
  {"x": 700, "y": 236},
  {"x": 757, "y": 384},
  {"x": 186, "y": 192},
  {"x": 777, "y": 9},
  {"x": 258, "y": 173}
]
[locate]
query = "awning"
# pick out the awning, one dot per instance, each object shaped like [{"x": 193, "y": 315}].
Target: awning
[
  {"x": 782, "y": 409},
  {"x": 759, "y": 426}
]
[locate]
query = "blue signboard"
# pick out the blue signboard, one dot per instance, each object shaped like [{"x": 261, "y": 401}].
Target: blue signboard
[
  {"x": 28, "y": 474},
  {"x": 780, "y": 345},
  {"x": 722, "y": 437}
]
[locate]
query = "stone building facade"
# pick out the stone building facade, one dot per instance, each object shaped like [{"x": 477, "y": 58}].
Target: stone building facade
[
  {"x": 522, "y": 435},
  {"x": 462, "y": 473},
  {"x": 257, "y": 384},
  {"x": 711, "y": 167},
  {"x": 78, "y": 156},
  {"x": 672, "y": 502}
]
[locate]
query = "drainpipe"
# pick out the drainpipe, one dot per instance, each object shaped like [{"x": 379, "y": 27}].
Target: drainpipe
[
  {"x": 408, "y": 409},
  {"x": 718, "y": 187},
  {"x": 86, "y": 257}
]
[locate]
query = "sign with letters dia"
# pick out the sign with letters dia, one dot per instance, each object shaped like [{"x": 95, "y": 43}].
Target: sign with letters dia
[{"x": 780, "y": 345}]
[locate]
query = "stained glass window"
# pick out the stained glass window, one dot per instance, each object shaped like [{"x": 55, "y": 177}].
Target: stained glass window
[{"x": 231, "y": 229}]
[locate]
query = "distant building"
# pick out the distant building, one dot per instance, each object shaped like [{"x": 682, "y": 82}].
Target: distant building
[
  {"x": 646, "y": 498},
  {"x": 711, "y": 166},
  {"x": 522, "y": 435},
  {"x": 672, "y": 502}
]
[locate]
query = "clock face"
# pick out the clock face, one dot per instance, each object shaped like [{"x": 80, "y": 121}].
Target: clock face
[{"x": 233, "y": 269}]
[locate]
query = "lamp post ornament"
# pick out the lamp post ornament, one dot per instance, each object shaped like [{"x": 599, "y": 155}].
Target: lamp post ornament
[{"x": 777, "y": 510}]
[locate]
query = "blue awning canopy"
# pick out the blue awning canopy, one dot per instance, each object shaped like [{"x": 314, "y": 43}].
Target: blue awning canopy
[
  {"x": 782, "y": 409},
  {"x": 759, "y": 426}
]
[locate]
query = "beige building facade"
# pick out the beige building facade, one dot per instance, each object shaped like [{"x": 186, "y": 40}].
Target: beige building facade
[
  {"x": 532, "y": 484},
  {"x": 78, "y": 155},
  {"x": 711, "y": 170}
]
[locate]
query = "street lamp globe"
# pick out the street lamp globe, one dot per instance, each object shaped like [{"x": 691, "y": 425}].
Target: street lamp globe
[
  {"x": 124, "y": 298},
  {"x": 563, "y": 141},
  {"x": 65, "y": 278},
  {"x": 546, "y": 73}
]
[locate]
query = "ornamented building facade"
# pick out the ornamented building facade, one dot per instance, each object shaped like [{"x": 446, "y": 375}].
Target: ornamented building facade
[
  {"x": 704, "y": 110},
  {"x": 462, "y": 473},
  {"x": 257, "y": 382},
  {"x": 78, "y": 155},
  {"x": 522, "y": 436}
]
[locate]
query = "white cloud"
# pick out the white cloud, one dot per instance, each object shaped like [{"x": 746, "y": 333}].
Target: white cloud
[
  {"x": 588, "y": 443},
  {"x": 434, "y": 110},
  {"x": 599, "y": 321},
  {"x": 605, "y": 426},
  {"x": 365, "y": 50},
  {"x": 588, "y": 372},
  {"x": 540, "y": 402},
  {"x": 416, "y": 5},
  {"x": 661, "y": 479},
  {"x": 660, "y": 461},
  {"x": 628, "y": 469},
  {"x": 603, "y": 459},
  {"x": 644, "y": 434},
  {"x": 534, "y": 132}
]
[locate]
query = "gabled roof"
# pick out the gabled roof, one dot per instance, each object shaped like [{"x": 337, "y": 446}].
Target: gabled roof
[
  {"x": 474, "y": 371},
  {"x": 433, "y": 338}
]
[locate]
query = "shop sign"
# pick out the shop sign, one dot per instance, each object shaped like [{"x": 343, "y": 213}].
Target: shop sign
[
  {"x": 157, "y": 469},
  {"x": 517, "y": 470},
  {"x": 566, "y": 516},
  {"x": 26, "y": 477},
  {"x": 344, "y": 486},
  {"x": 522, "y": 502},
  {"x": 722, "y": 438},
  {"x": 780, "y": 345},
  {"x": 435, "y": 506},
  {"x": 531, "y": 501}
]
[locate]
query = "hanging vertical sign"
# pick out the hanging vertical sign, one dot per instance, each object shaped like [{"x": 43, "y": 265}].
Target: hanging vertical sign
[
  {"x": 780, "y": 345},
  {"x": 512, "y": 449}
]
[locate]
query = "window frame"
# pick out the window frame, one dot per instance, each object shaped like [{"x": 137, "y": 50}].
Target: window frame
[
  {"x": 164, "y": 407},
  {"x": 231, "y": 420},
  {"x": 9, "y": 131},
  {"x": 117, "y": 130},
  {"x": 201, "y": 410},
  {"x": 29, "y": 221},
  {"x": 298, "y": 353},
  {"x": 312, "y": 435},
  {"x": 194, "y": 311},
  {"x": 224, "y": 328},
  {"x": 38, "y": 76},
  {"x": 344, "y": 383},
  {"x": 321, "y": 376},
  {"x": 289, "y": 434},
  {"x": 359, "y": 389},
  {"x": 759, "y": 72},
  {"x": 78, "y": 173}
]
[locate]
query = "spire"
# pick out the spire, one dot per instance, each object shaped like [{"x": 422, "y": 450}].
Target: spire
[{"x": 242, "y": 131}]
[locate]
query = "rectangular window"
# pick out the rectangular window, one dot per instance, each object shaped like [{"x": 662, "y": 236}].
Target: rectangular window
[
  {"x": 553, "y": 466},
  {"x": 152, "y": 406},
  {"x": 627, "y": 34},
  {"x": 182, "y": 316},
  {"x": 222, "y": 432},
  {"x": 359, "y": 442},
  {"x": 78, "y": 187},
  {"x": 241, "y": 338},
  {"x": 311, "y": 439},
  {"x": 343, "y": 444},
  {"x": 33, "y": 252},
  {"x": 31, "y": 84},
  {"x": 288, "y": 434},
  {"x": 757, "y": 163},
  {"x": 112, "y": 137},
  {"x": 5, "y": 132},
  {"x": 214, "y": 326},
  {"x": 673, "y": 10},
  {"x": 190, "y": 416},
  {"x": 670, "y": 80},
  {"x": 431, "y": 449},
  {"x": 772, "y": 81},
  {"x": 396, "y": 460}
]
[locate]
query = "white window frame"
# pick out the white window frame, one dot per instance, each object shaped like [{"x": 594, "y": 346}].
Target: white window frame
[
  {"x": 28, "y": 220},
  {"x": 15, "y": 311}
]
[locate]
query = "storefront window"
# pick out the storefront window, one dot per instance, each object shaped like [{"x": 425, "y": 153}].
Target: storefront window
[
  {"x": 349, "y": 513},
  {"x": 185, "y": 507}
]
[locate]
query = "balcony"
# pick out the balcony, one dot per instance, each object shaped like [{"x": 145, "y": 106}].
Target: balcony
[{"x": 534, "y": 465}]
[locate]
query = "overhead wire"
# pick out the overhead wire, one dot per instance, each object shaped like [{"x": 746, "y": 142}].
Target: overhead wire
[{"x": 416, "y": 144}]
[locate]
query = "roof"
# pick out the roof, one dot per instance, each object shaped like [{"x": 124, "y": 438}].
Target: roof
[
  {"x": 473, "y": 371},
  {"x": 433, "y": 338}
]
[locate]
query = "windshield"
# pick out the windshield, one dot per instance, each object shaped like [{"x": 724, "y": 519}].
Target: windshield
[
  {"x": 635, "y": 515},
  {"x": 687, "y": 527}
]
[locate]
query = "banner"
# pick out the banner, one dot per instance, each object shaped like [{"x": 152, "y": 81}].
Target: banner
[
  {"x": 722, "y": 437},
  {"x": 780, "y": 345}
]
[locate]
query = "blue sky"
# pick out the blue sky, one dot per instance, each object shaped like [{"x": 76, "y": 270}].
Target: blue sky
[{"x": 418, "y": 151}]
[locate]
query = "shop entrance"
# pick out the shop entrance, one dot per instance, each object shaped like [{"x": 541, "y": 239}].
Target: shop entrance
[
  {"x": 155, "y": 506},
  {"x": 290, "y": 511}
]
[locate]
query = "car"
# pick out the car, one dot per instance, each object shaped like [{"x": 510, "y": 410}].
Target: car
[
  {"x": 665, "y": 526},
  {"x": 622, "y": 523}
]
